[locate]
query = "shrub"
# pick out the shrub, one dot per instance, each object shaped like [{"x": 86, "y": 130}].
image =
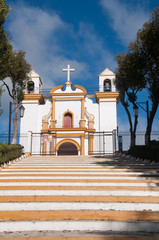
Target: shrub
[
  {"x": 150, "y": 152},
  {"x": 9, "y": 152}
]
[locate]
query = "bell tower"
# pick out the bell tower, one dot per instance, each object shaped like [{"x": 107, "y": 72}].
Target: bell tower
[
  {"x": 107, "y": 81},
  {"x": 34, "y": 83},
  {"x": 107, "y": 98}
]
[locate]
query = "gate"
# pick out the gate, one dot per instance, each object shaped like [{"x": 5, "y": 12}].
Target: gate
[
  {"x": 43, "y": 143},
  {"x": 102, "y": 143}
]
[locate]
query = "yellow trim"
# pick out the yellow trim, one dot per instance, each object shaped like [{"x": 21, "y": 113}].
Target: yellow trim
[
  {"x": 82, "y": 146},
  {"x": 53, "y": 109},
  {"x": 67, "y": 140},
  {"x": 37, "y": 96},
  {"x": 66, "y": 129},
  {"x": 107, "y": 95},
  {"x": 56, "y": 88},
  {"x": 31, "y": 102},
  {"x": 67, "y": 94},
  {"x": 68, "y": 111},
  {"x": 67, "y": 98},
  {"x": 91, "y": 137},
  {"x": 44, "y": 148},
  {"x": 52, "y": 147},
  {"x": 106, "y": 75},
  {"x": 81, "y": 88},
  {"x": 70, "y": 134}
]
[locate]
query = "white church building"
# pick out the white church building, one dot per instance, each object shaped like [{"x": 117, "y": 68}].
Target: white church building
[{"x": 68, "y": 121}]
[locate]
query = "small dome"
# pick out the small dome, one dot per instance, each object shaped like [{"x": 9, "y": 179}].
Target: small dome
[{"x": 107, "y": 72}]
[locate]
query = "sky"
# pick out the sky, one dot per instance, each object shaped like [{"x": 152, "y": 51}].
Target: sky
[{"x": 87, "y": 34}]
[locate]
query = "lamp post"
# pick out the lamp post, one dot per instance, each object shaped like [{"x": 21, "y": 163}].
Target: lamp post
[
  {"x": 135, "y": 110},
  {"x": 21, "y": 108}
]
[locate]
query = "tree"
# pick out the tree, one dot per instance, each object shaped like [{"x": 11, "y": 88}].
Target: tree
[
  {"x": 12, "y": 65},
  {"x": 18, "y": 74},
  {"x": 129, "y": 82},
  {"x": 5, "y": 46},
  {"x": 147, "y": 46}
]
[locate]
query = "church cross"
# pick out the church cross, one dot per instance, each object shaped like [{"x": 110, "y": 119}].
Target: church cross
[{"x": 68, "y": 70}]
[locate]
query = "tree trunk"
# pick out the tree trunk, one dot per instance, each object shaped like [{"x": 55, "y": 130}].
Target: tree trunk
[
  {"x": 132, "y": 136},
  {"x": 133, "y": 133},
  {"x": 15, "y": 122},
  {"x": 149, "y": 124}
]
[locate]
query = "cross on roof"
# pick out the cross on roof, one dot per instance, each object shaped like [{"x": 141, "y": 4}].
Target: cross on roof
[{"x": 68, "y": 70}]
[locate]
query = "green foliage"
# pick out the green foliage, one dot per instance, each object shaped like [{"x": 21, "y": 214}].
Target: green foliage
[
  {"x": 5, "y": 46},
  {"x": 146, "y": 46},
  {"x": 9, "y": 152},
  {"x": 139, "y": 69},
  {"x": 18, "y": 73},
  {"x": 150, "y": 152},
  {"x": 1, "y": 91}
]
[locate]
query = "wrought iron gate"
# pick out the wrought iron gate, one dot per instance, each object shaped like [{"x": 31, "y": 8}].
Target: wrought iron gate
[
  {"x": 43, "y": 143},
  {"x": 102, "y": 143}
]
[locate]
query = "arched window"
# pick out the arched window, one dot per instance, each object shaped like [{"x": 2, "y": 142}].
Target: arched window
[
  {"x": 30, "y": 87},
  {"x": 68, "y": 120},
  {"x": 107, "y": 85}
]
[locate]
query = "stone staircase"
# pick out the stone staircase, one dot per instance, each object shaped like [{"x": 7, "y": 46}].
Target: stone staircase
[{"x": 75, "y": 197}]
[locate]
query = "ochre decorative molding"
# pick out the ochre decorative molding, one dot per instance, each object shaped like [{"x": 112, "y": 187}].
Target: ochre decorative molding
[
  {"x": 82, "y": 146},
  {"x": 67, "y": 140},
  {"x": 81, "y": 88},
  {"x": 66, "y": 129},
  {"x": 89, "y": 116},
  {"x": 56, "y": 88},
  {"x": 67, "y": 94},
  {"x": 66, "y": 98},
  {"x": 36, "y": 96},
  {"x": 107, "y": 95},
  {"x": 45, "y": 119}
]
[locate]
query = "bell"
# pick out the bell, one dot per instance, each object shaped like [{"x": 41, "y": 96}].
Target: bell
[{"x": 107, "y": 86}]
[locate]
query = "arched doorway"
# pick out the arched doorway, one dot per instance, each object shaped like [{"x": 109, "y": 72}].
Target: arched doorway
[{"x": 67, "y": 148}]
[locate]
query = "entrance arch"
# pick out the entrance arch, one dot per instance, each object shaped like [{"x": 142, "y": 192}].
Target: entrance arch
[{"x": 67, "y": 147}]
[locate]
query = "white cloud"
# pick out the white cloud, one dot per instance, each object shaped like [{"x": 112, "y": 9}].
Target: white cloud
[
  {"x": 51, "y": 44},
  {"x": 37, "y": 32},
  {"x": 125, "y": 19}
]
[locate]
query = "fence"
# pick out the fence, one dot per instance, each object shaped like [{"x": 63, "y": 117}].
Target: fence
[
  {"x": 124, "y": 139},
  {"x": 99, "y": 142},
  {"x": 102, "y": 143}
]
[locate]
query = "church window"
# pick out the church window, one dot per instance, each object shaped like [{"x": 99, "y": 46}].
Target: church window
[
  {"x": 30, "y": 87},
  {"x": 107, "y": 85},
  {"x": 68, "y": 120}
]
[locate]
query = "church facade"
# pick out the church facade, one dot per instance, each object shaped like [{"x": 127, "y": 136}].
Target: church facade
[{"x": 68, "y": 122}]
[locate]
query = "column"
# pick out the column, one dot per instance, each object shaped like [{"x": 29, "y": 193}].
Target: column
[
  {"x": 53, "y": 121},
  {"x": 82, "y": 146},
  {"x": 82, "y": 121},
  {"x": 91, "y": 144},
  {"x": 44, "y": 148},
  {"x": 52, "y": 148}
]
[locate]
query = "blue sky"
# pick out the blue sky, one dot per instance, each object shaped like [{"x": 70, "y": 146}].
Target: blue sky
[{"x": 87, "y": 34}]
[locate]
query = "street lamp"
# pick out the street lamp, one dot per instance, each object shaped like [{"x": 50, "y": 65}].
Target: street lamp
[{"x": 21, "y": 108}]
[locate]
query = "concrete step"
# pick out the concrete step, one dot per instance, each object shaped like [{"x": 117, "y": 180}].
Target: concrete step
[
  {"x": 79, "y": 198},
  {"x": 77, "y": 235}
]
